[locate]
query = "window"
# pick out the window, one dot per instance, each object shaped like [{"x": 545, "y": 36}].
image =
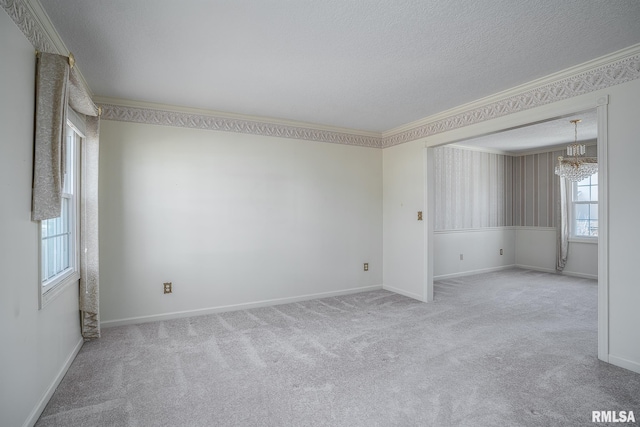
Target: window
[
  {"x": 585, "y": 207},
  {"x": 59, "y": 262}
]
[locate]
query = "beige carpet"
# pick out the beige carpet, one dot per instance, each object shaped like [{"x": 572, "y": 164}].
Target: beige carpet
[{"x": 514, "y": 348}]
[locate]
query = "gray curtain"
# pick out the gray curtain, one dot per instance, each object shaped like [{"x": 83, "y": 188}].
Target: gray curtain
[
  {"x": 59, "y": 85},
  {"x": 563, "y": 223},
  {"x": 52, "y": 75}
]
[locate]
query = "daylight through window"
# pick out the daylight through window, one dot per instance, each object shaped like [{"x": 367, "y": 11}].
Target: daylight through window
[
  {"x": 585, "y": 207},
  {"x": 59, "y": 260}
]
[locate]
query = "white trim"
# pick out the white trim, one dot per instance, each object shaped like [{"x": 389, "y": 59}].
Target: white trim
[
  {"x": 37, "y": 410},
  {"x": 532, "y": 228},
  {"x": 58, "y": 284},
  {"x": 233, "y": 307},
  {"x": 585, "y": 240},
  {"x": 481, "y": 149},
  {"x": 624, "y": 363},
  {"x": 552, "y": 148},
  {"x": 572, "y": 82},
  {"x": 213, "y": 121},
  {"x": 58, "y": 289},
  {"x": 403, "y": 292},
  {"x": 521, "y": 266},
  {"x": 603, "y": 229},
  {"x": 506, "y": 227},
  {"x": 472, "y": 272},
  {"x": 552, "y": 271},
  {"x": 133, "y": 104},
  {"x": 33, "y": 21},
  {"x": 479, "y": 230},
  {"x": 580, "y": 275},
  {"x": 602, "y": 61},
  {"x": 535, "y": 268},
  {"x": 429, "y": 223}
]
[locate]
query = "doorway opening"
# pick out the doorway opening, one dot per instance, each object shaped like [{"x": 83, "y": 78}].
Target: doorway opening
[{"x": 520, "y": 222}]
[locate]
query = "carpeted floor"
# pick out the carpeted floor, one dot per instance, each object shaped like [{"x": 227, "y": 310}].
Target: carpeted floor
[{"x": 512, "y": 348}]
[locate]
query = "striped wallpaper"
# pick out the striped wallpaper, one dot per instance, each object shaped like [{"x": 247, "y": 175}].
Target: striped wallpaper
[{"x": 477, "y": 190}]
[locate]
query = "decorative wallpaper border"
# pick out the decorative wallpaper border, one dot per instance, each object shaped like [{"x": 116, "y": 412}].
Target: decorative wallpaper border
[
  {"x": 30, "y": 26},
  {"x": 201, "y": 121},
  {"x": 600, "y": 77}
]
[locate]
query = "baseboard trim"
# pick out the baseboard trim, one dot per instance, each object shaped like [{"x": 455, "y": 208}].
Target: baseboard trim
[
  {"x": 472, "y": 272},
  {"x": 402, "y": 292},
  {"x": 624, "y": 363},
  {"x": 566, "y": 273},
  {"x": 233, "y": 307},
  {"x": 37, "y": 410},
  {"x": 581, "y": 275},
  {"x": 535, "y": 268}
]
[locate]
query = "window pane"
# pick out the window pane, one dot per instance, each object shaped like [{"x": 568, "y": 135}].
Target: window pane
[
  {"x": 582, "y": 228},
  {"x": 593, "y": 228},
  {"x": 68, "y": 176},
  {"x": 58, "y": 234},
  {"x": 582, "y": 212},
  {"x": 586, "y": 181},
  {"x": 582, "y": 193},
  {"x": 593, "y": 211},
  {"x": 594, "y": 193}
]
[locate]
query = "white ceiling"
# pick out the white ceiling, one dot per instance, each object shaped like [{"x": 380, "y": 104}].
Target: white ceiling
[
  {"x": 359, "y": 64},
  {"x": 551, "y": 133}
]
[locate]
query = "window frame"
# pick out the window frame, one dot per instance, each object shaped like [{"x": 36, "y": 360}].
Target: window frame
[
  {"x": 54, "y": 286},
  {"x": 573, "y": 236}
]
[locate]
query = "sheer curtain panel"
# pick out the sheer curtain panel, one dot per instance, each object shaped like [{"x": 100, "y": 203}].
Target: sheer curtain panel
[{"x": 563, "y": 223}]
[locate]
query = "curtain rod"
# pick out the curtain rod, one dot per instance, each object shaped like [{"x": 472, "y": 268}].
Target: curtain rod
[{"x": 71, "y": 59}]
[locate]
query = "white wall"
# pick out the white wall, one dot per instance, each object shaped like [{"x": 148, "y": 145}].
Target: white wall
[
  {"x": 480, "y": 249},
  {"x": 624, "y": 234},
  {"x": 37, "y": 345},
  {"x": 582, "y": 260},
  {"x": 536, "y": 249},
  {"x": 231, "y": 219},
  {"x": 403, "y": 234}
]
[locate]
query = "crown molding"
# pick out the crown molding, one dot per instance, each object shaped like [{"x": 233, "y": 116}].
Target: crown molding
[
  {"x": 156, "y": 114},
  {"x": 478, "y": 149},
  {"x": 555, "y": 147},
  {"x": 36, "y": 26},
  {"x": 28, "y": 21},
  {"x": 541, "y": 150},
  {"x": 609, "y": 70}
]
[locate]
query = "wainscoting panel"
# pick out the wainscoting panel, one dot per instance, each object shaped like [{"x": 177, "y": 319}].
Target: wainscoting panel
[{"x": 480, "y": 250}]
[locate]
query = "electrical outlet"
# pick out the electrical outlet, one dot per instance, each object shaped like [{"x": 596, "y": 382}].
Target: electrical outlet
[
  {"x": 501, "y": 253},
  {"x": 366, "y": 266},
  {"x": 461, "y": 257},
  {"x": 167, "y": 287}
]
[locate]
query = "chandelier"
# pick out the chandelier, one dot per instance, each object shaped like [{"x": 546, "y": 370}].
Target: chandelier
[{"x": 576, "y": 166}]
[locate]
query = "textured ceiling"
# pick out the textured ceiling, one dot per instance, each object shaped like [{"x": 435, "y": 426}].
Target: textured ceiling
[
  {"x": 539, "y": 135},
  {"x": 359, "y": 64}
]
